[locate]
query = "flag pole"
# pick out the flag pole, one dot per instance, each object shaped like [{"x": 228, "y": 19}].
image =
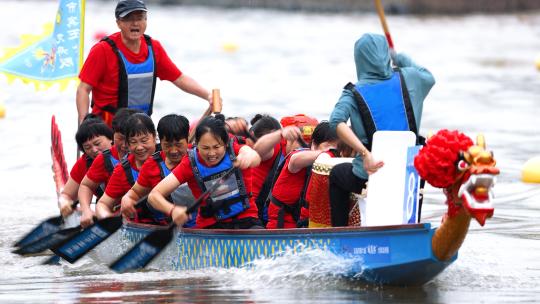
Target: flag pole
[{"x": 81, "y": 53}]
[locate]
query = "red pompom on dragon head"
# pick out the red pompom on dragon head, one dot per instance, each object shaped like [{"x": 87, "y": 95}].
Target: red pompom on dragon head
[{"x": 465, "y": 170}]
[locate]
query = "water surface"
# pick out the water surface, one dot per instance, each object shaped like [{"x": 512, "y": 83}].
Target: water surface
[{"x": 288, "y": 63}]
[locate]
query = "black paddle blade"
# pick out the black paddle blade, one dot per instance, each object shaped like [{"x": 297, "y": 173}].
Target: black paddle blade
[
  {"x": 78, "y": 245},
  {"x": 144, "y": 252},
  {"x": 48, "y": 241},
  {"x": 42, "y": 230}
]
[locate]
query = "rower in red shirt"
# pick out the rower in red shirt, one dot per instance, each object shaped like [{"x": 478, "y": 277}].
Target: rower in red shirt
[
  {"x": 141, "y": 139},
  {"x": 93, "y": 136},
  {"x": 273, "y": 144},
  {"x": 228, "y": 207},
  {"x": 288, "y": 193},
  {"x": 173, "y": 131},
  {"x": 101, "y": 170}
]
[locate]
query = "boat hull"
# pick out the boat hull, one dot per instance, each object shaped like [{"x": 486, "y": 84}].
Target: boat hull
[{"x": 390, "y": 255}]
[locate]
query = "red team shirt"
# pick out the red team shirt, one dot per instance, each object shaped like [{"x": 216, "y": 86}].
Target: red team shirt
[
  {"x": 78, "y": 171},
  {"x": 97, "y": 172},
  {"x": 184, "y": 173},
  {"x": 150, "y": 173},
  {"x": 260, "y": 173},
  {"x": 100, "y": 70},
  {"x": 287, "y": 189},
  {"x": 118, "y": 183}
]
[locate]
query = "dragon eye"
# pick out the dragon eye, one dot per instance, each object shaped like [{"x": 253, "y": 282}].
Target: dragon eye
[{"x": 462, "y": 165}]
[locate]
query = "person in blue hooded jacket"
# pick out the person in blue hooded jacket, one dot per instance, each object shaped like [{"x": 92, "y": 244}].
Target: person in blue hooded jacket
[{"x": 383, "y": 98}]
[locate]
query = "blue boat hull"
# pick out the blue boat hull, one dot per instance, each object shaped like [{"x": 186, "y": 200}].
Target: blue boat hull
[{"x": 390, "y": 255}]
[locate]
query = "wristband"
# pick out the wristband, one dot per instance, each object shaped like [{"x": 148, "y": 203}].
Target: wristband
[{"x": 170, "y": 212}]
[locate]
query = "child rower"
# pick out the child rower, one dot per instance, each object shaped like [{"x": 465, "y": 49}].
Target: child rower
[{"x": 230, "y": 206}]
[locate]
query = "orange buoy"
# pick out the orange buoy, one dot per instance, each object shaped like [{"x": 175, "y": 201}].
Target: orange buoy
[
  {"x": 2, "y": 110},
  {"x": 530, "y": 172}
]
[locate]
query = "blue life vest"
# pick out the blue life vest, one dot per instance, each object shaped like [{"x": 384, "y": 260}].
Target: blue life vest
[
  {"x": 137, "y": 81},
  {"x": 100, "y": 190},
  {"x": 384, "y": 106},
  {"x": 131, "y": 174},
  {"x": 228, "y": 200},
  {"x": 109, "y": 161},
  {"x": 164, "y": 172}
]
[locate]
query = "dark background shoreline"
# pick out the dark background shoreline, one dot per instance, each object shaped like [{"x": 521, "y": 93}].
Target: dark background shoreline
[{"x": 391, "y": 6}]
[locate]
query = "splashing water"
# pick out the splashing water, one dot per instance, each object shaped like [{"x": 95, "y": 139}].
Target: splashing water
[{"x": 298, "y": 266}]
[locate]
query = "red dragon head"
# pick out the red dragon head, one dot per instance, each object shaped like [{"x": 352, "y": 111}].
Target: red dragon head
[{"x": 466, "y": 171}]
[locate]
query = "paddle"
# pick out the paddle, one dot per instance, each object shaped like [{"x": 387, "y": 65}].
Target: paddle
[
  {"x": 47, "y": 241},
  {"x": 43, "y": 229},
  {"x": 216, "y": 106},
  {"x": 380, "y": 11},
  {"x": 79, "y": 244},
  {"x": 148, "y": 248},
  {"x": 60, "y": 176}
]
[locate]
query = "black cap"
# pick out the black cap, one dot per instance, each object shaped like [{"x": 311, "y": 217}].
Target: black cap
[{"x": 124, "y": 7}]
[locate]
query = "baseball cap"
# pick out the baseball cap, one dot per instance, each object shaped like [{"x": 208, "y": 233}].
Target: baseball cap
[{"x": 124, "y": 7}]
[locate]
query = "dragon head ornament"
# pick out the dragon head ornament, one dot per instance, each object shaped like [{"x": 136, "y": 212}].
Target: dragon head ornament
[{"x": 465, "y": 170}]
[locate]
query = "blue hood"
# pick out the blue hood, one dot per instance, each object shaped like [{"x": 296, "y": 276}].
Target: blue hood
[{"x": 372, "y": 59}]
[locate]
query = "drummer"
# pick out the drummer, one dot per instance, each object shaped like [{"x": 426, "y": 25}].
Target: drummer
[{"x": 288, "y": 193}]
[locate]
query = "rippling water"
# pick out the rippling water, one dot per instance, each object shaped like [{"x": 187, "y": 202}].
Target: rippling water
[{"x": 289, "y": 63}]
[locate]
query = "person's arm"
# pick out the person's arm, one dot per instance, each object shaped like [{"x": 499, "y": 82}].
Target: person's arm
[
  {"x": 264, "y": 145},
  {"x": 157, "y": 198},
  {"x": 247, "y": 158},
  {"x": 67, "y": 196},
  {"x": 302, "y": 159},
  {"x": 104, "y": 207},
  {"x": 417, "y": 78},
  {"x": 130, "y": 199},
  {"x": 189, "y": 85},
  {"x": 86, "y": 192},
  {"x": 347, "y": 135},
  {"x": 83, "y": 100}
]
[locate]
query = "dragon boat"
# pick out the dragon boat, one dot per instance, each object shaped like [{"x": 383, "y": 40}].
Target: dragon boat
[{"x": 407, "y": 254}]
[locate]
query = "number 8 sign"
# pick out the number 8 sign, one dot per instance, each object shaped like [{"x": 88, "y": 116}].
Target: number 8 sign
[{"x": 412, "y": 185}]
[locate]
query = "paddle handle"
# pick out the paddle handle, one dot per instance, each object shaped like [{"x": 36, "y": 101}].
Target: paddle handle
[
  {"x": 380, "y": 11},
  {"x": 216, "y": 101}
]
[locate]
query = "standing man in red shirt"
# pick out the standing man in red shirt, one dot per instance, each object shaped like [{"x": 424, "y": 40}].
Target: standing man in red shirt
[{"x": 121, "y": 70}]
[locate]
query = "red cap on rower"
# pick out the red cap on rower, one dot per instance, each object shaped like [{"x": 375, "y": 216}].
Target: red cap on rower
[{"x": 305, "y": 123}]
